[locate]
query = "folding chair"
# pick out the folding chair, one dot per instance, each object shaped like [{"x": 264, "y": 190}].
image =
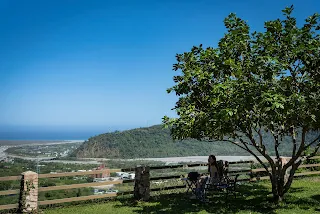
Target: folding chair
[{"x": 222, "y": 183}]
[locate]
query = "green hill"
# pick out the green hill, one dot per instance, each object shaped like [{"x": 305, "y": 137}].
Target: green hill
[{"x": 154, "y": 141}]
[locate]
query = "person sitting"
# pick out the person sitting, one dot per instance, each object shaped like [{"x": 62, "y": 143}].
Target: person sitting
[
  {"x": 213, "y": 167},
  {"x": 213, "y": 177}
]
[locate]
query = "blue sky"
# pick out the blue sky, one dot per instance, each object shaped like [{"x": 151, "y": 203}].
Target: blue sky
[{"x": 106, "y": 64}]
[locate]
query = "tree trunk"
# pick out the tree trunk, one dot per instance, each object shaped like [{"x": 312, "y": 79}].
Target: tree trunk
[
  {"x": 277, "y": 187},
  {"x": 281, "y": 183},
  {"x": 278, "y": 198}
]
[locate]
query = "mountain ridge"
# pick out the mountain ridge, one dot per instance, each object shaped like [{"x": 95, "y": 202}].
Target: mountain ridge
[{"x": 148, "y": 142}]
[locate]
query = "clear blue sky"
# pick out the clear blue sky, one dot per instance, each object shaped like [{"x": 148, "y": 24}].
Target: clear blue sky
[{"x": 107, "y": 64}]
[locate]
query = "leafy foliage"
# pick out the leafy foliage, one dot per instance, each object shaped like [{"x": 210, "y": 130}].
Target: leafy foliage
[
  {"x": 268, "y": 79},
  {"x": 253, "y": 82}
]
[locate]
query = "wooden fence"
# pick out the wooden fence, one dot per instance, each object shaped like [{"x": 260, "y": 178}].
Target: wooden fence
[{"x": 244, "y": 171}]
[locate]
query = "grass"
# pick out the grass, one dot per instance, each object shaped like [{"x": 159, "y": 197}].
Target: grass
[{"x": 304, "y": 197}]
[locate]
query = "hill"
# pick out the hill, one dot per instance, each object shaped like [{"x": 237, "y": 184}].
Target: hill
[{"x": 154, "y": 141}]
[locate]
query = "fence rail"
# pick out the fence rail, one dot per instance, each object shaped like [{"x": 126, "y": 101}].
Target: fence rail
[
  {"x": 8, "y": 206},
  {"x": 74, "y": 186},
  {"x": 81, "y": 198},
  {"x": 9, "y": 192},
  {"x": 315, "y": 157},
  {"x": 62, "y": 174},
  {"x": 10, "y": 178},
  {"x": 95, "y": 172},
  {"x": 66, "y": 174},
  {"x": 301, "y": 166}
]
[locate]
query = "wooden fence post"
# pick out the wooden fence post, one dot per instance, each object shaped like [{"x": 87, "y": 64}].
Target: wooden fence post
[
  {"x": 28, "y": 200},
  {"x": 142, "y": 183}
]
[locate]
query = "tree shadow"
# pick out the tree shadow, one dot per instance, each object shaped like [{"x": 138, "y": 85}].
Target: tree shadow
[
  {"x": 296, "y": 189},
  {"x": 251, "y": 197},
  {"x": 316, "y": 197},
  {"x": 305, "y": 203}
]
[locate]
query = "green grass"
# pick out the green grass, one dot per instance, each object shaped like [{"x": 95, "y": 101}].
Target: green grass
[{"x": 304, "y": 197}]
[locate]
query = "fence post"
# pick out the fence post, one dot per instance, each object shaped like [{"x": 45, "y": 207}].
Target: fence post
[
  {"x": 142, "y": 183},
  {"x": 28, "y": 200}
]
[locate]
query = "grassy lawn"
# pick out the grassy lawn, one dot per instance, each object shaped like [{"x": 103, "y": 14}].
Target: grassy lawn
[{"x": 304, "y": 197}]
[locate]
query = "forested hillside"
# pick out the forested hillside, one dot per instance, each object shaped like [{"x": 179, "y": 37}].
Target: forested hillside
[{"x": 155, "y": 141}]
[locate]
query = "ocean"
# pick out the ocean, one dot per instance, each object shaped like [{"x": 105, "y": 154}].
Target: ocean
[
  {"x": 46, "y": 135},
  {"x": 54, "y": 133}
]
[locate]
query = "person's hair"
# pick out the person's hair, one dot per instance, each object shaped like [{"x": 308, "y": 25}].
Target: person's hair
[{"x": 210, "y": 164}]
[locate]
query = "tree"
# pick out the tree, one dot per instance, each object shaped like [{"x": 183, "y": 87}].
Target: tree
[{"x": 254, "y": 82}]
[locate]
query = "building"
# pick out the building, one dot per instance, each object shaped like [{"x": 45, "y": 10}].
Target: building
[{"x": 105, "y": 174}]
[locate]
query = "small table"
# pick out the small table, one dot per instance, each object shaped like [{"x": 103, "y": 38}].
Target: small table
[{"x": 190, "y": 184}]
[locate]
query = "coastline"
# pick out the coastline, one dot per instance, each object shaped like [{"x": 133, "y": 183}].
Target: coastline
[{"x": 36, "y": 142}]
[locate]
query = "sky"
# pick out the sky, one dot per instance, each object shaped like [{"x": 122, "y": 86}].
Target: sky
[{"x": 106, "y": 65}]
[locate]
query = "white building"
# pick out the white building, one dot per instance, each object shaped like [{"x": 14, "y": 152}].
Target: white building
[{"x": 126, "y": 175}]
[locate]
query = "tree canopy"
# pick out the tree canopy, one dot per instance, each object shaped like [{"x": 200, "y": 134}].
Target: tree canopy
[{"x": 253, "y": 82}]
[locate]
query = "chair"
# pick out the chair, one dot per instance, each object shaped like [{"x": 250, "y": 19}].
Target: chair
[
  {"x": 191, "y": 181},
  {"x": 223, "y": 183}
]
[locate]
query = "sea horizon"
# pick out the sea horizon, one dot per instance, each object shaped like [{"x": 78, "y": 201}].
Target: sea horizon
[
  {"x": 46, "y": 136},
  {"x": 58, "y": 132}
]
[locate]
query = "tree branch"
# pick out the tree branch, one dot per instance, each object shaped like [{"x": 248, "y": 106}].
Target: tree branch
[
  {"x": 293, "y": 75},
  {"x": 260, "y": 161},
  {"x": 260, "y": 136},
  {"x": 314, "y": 141},
  {"x": 246, "y": 148},
  {"x": 291, "y": 176},
  {"x": 294, "y": 141},
  {"x": 276, "y": 145},
  {"x": 315, "y": 151},
  {"x": 261, "y": 151},
  {"x": 299, "y": 152},
  {"x": 235, "y": 143}
]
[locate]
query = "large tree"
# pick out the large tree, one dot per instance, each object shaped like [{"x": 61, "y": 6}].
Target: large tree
[{"x": 254, "y": 82}]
